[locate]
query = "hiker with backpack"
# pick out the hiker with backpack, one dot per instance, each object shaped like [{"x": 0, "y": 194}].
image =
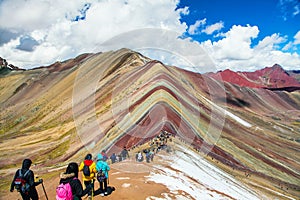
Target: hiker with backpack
[
  {"x": 105, "y": 156},
  {"x": 24, "y": 183},
  {"x": 102, "y": 174},
  {"x": 139, "y": 157},
  {"x": 113, "y": 158},
  {"x": 124, "y": 153},
  {"x": 70, "y": 187},
  {"x": 88, "y": 168}
]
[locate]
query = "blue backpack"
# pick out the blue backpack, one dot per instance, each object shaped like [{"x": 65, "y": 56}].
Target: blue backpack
[{"x": 20, "y": 182}]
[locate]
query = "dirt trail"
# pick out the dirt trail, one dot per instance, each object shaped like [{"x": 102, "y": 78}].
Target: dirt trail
[{"x": 128, "y": 177}]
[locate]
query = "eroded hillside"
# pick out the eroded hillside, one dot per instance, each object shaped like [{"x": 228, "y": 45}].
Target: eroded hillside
[{"x": 115, "y": 99}]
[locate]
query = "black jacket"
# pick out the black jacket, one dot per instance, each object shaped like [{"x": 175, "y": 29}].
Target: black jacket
[
  {"x": 29, "y": 177},
  {"x": 75, "y": 184}
]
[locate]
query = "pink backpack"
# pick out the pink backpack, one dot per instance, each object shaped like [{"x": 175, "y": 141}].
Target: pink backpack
[{"x": 64, "y": 192}]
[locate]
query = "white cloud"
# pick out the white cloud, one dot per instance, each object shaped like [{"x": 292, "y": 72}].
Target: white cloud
[
  {"x": 297, "y": 10},
  {"x": 214, "y": 27},
  {"x": 236, "y": 44},
  {"x": 50, "y": 23},
  {"x": 30, "y": 15},
  {"x": 297, "y": 38},
  {"x": 287, "y": 46},
  {"x": 292, "y": 45},
  {"x": 199, "y": 27},
  {"x": 269, "y": 42},
  {"x": 42, "y": 32},
  {"x": 289, "y": 8},
  {"x": 236, "y": 50},
  {"x": 194, "y": 28}
]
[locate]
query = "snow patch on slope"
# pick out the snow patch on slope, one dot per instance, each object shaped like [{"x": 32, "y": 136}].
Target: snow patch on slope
[
  {"x": 199, "y": 179},
  {"x": 234, "y": 117}
]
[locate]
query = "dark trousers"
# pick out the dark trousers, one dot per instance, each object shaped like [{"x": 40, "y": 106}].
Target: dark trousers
[
  {"x": 32, "y": 194},
  {"x": 103, "y": 183},
  {"x": 87, "y": 183}
]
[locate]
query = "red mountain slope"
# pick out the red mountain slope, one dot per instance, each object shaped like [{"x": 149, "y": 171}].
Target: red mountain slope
[{"x": 269, "y": 77}]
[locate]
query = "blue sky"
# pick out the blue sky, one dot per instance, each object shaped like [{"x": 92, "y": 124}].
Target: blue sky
[
  {"x": 271, "y": 16},
  {"x": 197, "y": 35}
]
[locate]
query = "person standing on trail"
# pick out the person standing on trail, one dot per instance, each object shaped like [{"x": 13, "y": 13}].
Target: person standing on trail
[
  {"x": 88, "y": 167},
  {"x": 113, "y": 158},
  {"x": 102, "y": 175},
  {"x": 104, "y": 154},
  {"x": 139, "y": 157},
  {"x": 25, "y": 176},
  {"x": 124, "y": 153},
  {"x": 71, "y": 177}
]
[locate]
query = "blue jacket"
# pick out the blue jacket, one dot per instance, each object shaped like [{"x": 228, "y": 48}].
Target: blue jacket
[{"x": 101, "y": 164}]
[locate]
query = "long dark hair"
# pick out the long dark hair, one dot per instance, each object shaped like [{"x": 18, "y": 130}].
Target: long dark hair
[{"x": 72, "y": 168}]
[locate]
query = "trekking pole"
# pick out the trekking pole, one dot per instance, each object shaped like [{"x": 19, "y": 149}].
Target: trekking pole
[
  {"x": 92, "y": 189},
  {"x": 43, "y": 189}
]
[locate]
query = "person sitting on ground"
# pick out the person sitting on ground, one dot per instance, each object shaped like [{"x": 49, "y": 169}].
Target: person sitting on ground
[
  {"x": 102, "y": 175},
  {"x": 30, "y": 192},
  {"x": 88, "y": 179},
  {"x": 71, "y": 176}
]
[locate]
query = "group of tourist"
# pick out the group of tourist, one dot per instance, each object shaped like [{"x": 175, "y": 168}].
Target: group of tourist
[
  {"x": 69, "y": 183},
  {"x": 124, "y": 154},
  {"x": 24, "y": 183}
]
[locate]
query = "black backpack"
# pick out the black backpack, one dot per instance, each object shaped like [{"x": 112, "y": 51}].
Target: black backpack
[
  {"x": 20, "y": 182},
  {"x": 101, "y": 175},
  {"x": 86, "y": 170}
]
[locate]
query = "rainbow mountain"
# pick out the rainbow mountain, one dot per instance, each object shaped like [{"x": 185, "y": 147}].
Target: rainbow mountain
[{"x": 111, "y": 100}]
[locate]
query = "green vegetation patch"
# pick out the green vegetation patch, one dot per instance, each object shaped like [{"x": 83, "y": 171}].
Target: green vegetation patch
[
  {"x": 54, "y": 151},
  {"x": 38, "y": 141},
  {"x": 4, "y": 71}
]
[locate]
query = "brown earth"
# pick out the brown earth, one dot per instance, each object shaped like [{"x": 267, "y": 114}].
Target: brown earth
[
  {"x": 130, "y": 180},
  {"x": 128, "y": 185}
]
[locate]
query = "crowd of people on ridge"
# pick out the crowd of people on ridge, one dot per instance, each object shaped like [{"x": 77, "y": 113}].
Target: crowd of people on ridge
[{"x": 24, "y": 183}]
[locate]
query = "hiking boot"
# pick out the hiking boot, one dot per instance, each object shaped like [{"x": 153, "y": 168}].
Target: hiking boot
[
  {"x": 105, "y": 193},
  {"x": 102, "y": 194}
]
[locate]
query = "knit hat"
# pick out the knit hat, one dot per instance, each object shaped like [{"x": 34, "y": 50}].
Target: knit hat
[{"x": 99, "y": 157}]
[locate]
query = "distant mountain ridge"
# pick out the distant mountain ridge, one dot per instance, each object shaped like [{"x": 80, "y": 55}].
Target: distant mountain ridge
[{"x": 274, "y": 77}]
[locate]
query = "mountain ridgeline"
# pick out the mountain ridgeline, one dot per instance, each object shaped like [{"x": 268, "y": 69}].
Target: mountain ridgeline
[{"x": 249, "y": 122}]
